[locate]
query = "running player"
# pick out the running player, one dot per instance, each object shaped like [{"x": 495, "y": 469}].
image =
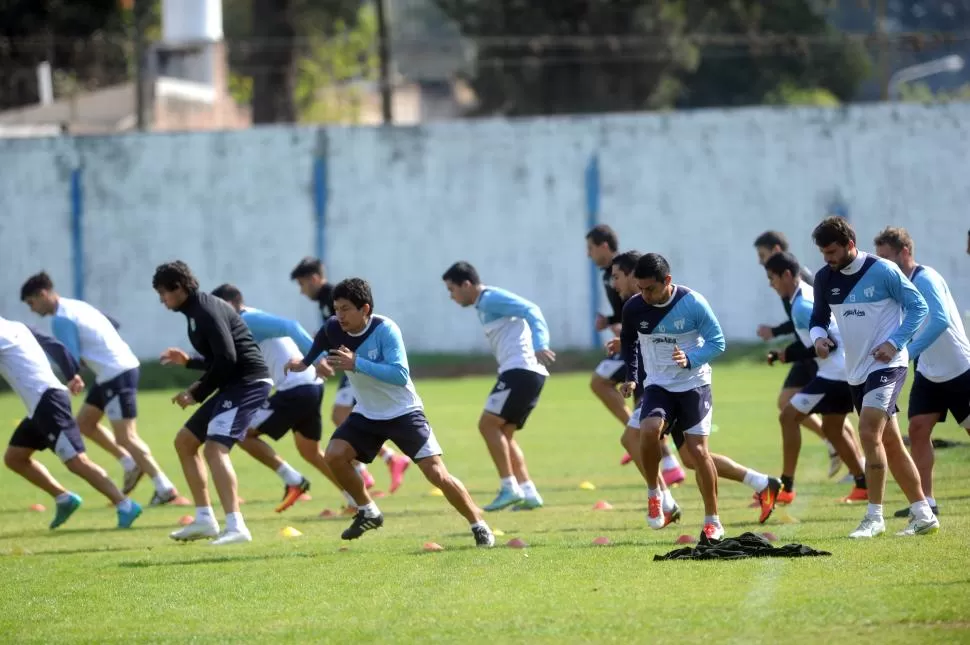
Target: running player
[
  {"x": 878, "y": 311},
  {"x": 370, "y": 349},
  {"x": 49, "y": 424},
  {"x": 942, "y": 355},
  {"x": 519, "y": 338}
]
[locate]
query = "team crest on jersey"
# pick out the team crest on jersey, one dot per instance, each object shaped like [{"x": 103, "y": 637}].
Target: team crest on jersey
[
  {"x": 869, "y": 291},
  {"x": 192, "y": 324},
  {"x": 679, "y": 324},
  {"x": 662, "y": 329},
  {"x": 372, "y": 354}
]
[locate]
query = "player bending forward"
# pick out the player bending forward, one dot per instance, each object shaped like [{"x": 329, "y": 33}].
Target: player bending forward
[{"x": 370, "y": 350}]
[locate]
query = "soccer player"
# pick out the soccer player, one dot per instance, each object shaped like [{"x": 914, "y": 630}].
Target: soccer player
[
  {"x": 678, "y": 335},
  {"x": 235, "y": 384},
  {"x": 828, "y": 394},
  {"x": 601, "y": 247},
  {"x": 802, "y": 371},
  {"x": 519, "y": 337},
  {"x": 765, "y": 488},
  {"x": 49, "y": 424},
  {"x": 296, "y": 403},
  {"x": 312, "y": 278},
  {"x": 878, "y": 311},
  {"x": 92, "y": 338},
  {"x": 370, "y": 349},
  {"x": 941, "y": 352}
]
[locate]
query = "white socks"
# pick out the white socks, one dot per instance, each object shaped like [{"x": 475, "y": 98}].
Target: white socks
[
  {"x": 162, "y": 483},
  {"x": 63, "y": 497},
  {"x": 204, "y": 515},
  {"x": 529, "y": 490},
  {"x": 479, "y": 524},
  {"x": 235, "y": 522},
  {"x": 712, "y": 519},
  {"x": 874, "y": 511},
  {"x": 124, "y": 505},
  {"x": 289, "y": 475},
  {"x": 387, "y": 455},
  {"x": 668, "y": 501},
  {"x": 669, "y": 463},
  {"x": 510, "y": 484},
  {"x": 931, "y": 501},
  {"x": 351, "y": 502},
  {"x": 128, "y": 463},
  {"x": 370, "y": 510},
  {"x": 921, "y": 510},
  {"x": 755, "y": 480}
]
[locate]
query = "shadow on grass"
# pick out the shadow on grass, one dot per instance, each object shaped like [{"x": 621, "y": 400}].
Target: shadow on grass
[{"x": 145, "y": 564}]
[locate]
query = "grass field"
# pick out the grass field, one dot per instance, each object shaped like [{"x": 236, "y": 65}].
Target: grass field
[{"x": 87, "y": 582}]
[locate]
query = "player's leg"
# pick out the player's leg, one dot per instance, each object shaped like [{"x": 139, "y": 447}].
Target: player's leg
[
  {"x": 356, "y": 439},
  {"x": 88, "y": 421},
  {"x": 226, "y": 428},
  {"x": 307, "y": 433},
  {"x": 834, "y": 427},
  {"x": 799, "y": 376},
  {"x": 922, "y": 521},
  {"x": 790, "y": 420},
  {"x": 661, "y": 407},
  {"x": 532, "y": 499},
  {"x": 706, "y": 475},
  {"x": 927, "y": 407},
  {"x": 604, "y": 387},
  {"x": 343, "y": 404},
  {"x": 188, "y": 441}
]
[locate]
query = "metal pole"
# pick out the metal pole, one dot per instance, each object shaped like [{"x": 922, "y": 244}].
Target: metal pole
[
  {"x": 139, "y": 10},
  {"x": 384, "y": 54}
]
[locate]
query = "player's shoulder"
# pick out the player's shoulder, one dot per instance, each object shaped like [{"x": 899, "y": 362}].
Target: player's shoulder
[
  {"x": 634, "y": 304},
  {"x": 690, "y": 297},
  {"x": 384, "y": 325}
]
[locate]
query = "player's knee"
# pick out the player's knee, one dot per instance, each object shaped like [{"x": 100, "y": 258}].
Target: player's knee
[
  {"x": 784, "y": 397},
  {"x": 920, "y": 427},
  {"x": 77, "y": 463},
  {"x": 338, "y": 453},
  {"x": 697, "y": 448},
  {"x": 15, "y": 460},
  {"x": 489, "y": 424},
  {"x": 789, "y": 415},
  {"x": 630, "y": 441},
  {"x": 308, "y": 449},
  {"x": 185, "y": 443},
  {"x": 434, "y": 471}
]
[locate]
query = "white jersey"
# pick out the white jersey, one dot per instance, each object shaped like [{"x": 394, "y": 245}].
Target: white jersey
[
  {"x": 941, "y": 344},
  {"x": 802, "y": 303},
  {"x": 90, "y": 337},
  {"x": 873, "y": 303},
  {"x": 24, "y": 365},
  {"x": 515, "y": 329},
  {"x": 278, "y": 352}
]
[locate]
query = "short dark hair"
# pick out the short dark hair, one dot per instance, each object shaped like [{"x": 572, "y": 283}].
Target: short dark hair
[
  {"x": 603, "y": 234},
  {"x": 34, "y": 284},
  {"x": 783, "y": 261},
  {"x": 833, "y": 230},
  {"x": 172, "y": 275},
  {"x": 459, "y": 272},
  {"x": 307, "y": 267},
  {"x": 356, "y": 290},
  {"x": 626, "y": 261},
  {"x": 771, "y": 239},
  {"x": 228, "y": 292},
  {"x": 652, "y": 265},
  {"x": 895, "y": 237}
]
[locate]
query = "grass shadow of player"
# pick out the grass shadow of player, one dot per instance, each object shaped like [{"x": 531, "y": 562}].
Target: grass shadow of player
[{"x": 217, "y": 559}]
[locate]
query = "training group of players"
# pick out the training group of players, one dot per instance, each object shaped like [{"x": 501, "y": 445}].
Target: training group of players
[{"x": 857, "y": 323}]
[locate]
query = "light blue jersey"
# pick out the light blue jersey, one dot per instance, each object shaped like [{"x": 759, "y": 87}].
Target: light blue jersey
[
  {"x": 802, "y": 304},
  {"x": 941, "y": 344},
  {"x": 515, "y": 329},
  {"x": 685, "y": 321},
  {"x": 280, "y": 340},
  {"x": 381, "y": 377},
  {"x": 90, "y": 337}
]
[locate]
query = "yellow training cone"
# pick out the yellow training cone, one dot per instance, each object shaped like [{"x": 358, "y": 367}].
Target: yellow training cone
[
  {"x": 588, "y": 486},
  {"x": 290, "y": 532},
  {"x": 498, "y": 532},
  {"x": 782, "y": 515},
  {"x": 436, "y": 492}
]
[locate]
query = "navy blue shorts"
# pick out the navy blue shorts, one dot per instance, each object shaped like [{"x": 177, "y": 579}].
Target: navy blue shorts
[
  {"x": 52, "y": 426},
  {"x": 800, "y": 374},
  {"x": 928, "y": 397},
  {"x": 296, "y": 409},
  {"x": 683, "y": 413},
  {"x": 824, "y": 396},
  {"x": 227, "y": 415},
  {"x": 410, "y": 432},
  {"x": 515, "y": 395},
  {"x": 880, "y": 390},
  {"x": 117, "y": 398}
]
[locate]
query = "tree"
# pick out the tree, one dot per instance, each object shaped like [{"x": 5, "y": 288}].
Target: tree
[
  {"x": 573, "y": 56},
  {"x": 88, "y": 39},
  {"x": 754, "y": 52}
]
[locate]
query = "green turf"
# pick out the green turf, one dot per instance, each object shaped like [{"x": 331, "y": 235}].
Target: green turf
[{"x": 89, "y": 582}]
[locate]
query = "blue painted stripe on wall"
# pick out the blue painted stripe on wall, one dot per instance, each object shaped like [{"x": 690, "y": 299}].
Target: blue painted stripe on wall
[
  {"x": 320, "y": 205},
  {"x": 77, "y": 232},
  {"x": 592, "y": 219}
]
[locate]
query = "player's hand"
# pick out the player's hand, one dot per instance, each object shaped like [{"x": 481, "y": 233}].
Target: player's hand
[
  {"x": 627, "y": 389},
  {"x": 823, "y": 346},
  {"x": 546, "y": 356},
  {"x": 184, "y": 399},
  {"x": 765, "y": 333},
  {"x": 775, "y": 356},
  {"x": 679, "y": 357},
  {"x": 885, "y": 352},
  {"x": 612, "y": 346},
  {"x": 174, "y": 356},
  {"x": 601, "y": 322},
  {"x": 76, "y": 384},
  {"x": 294, "y": 365},
  {"x": 342, "y": 359},
  {"x": 324, "y": 370}
]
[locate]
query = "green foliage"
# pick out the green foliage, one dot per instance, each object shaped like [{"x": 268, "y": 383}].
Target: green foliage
[
  {"x": 789, "y": 94},
  {"x": 920, "y": 92}
]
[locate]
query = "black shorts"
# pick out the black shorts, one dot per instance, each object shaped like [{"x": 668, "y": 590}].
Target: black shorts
[
  {"x": 928, "y": 397},
  {"x": 824, "y": 396},
  {"x": 117, "y": 398},
  {"x": 52, "y": 426},
  {"x": 296, "y": 409},
  {"x": 800, "y": 374},
  {"x": 227, "y": 415},
  {"x": 683, "y": 413},
  {"x": 410, "y": 432},
  {"x": 515, "y": 395},
  {"x": 880, "y": 390}
]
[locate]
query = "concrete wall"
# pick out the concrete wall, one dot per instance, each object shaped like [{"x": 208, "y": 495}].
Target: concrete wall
[{"x": 404, "y": 203}]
